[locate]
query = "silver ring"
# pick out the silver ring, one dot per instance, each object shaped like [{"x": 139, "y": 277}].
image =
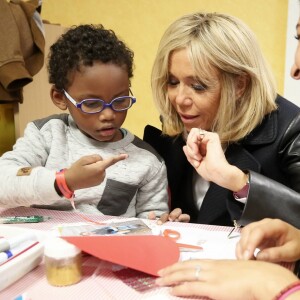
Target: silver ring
[
  {"x": 197, "y": 272},
  {"x": 201, "y": 132}
]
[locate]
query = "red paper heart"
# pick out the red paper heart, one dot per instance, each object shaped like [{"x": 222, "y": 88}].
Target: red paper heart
[{"x": 146, "y": 253}]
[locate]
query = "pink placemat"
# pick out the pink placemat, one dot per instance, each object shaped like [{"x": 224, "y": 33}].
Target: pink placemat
[{"x": 101, "y": 279}]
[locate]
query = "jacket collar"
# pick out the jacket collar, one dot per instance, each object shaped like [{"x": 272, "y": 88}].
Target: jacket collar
[{"x": 265, "y": 133}]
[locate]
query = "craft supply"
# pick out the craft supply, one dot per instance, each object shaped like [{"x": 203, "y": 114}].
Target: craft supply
[
  {"x": 175, "y": 235},
  {"x": 27, "y": 219},
  {"x": 236, "y": 227},
  {"x": 13, "y": 252},
  {"x": 24, "y": 296},
  {"x": 63, "y": 262},
  {"x": 9, "y": 243},
  {"x": 20, "y": 263}
]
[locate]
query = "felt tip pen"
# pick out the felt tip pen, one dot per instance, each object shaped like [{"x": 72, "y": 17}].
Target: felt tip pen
[
  {"x": 24, "y": 296},
  {"x": 28, "y": 219},
  {"x": 9, "y": 254},
  {"x": 9, "y": 243}
]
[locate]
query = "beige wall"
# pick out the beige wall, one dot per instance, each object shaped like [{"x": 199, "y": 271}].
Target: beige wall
[{"x": 140, "y": 23}]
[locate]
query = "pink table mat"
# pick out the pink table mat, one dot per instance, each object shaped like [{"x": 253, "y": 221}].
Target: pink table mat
[{"x": 101, "y": 279}]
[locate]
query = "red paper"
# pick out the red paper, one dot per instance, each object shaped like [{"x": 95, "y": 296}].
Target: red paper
[{"x": 146, "y": 253}]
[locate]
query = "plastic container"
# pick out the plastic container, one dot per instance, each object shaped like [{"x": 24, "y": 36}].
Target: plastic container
[
  {"x": 20, "y": 265},
  {"x": 63, "y": 262}
]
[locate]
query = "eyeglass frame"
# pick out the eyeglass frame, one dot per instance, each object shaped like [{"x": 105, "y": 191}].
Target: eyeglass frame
[{"x": 105, "y": 105}]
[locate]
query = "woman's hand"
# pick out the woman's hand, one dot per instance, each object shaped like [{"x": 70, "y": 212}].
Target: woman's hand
[
  {"x": 204, "y": 152},
  {"x": 226, "y": 279},
  {"x": 277, "y": 240},
  {"x": 89, "y": 170}
]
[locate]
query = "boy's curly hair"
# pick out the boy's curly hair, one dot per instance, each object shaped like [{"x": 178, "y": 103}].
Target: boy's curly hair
[{"x": 83, "y": 45}]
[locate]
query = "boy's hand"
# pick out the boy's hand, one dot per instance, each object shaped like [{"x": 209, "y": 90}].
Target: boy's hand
[
  {"x": 89, "y": 171},
  {"x": 175, "y": 215}
]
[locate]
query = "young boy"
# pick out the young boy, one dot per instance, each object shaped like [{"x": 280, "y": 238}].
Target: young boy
[{"x": 86, "y": 151}]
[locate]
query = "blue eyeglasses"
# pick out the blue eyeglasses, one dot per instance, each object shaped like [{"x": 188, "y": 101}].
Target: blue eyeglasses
[{"x": 93, "y": 106}]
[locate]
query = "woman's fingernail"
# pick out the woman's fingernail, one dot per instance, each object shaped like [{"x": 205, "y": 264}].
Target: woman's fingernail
[{"x": 159, "y": 281}]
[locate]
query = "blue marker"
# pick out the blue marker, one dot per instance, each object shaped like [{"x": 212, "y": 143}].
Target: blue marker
[
  {"x": 5, "y": 255},
  {"x": 8, "y": 254},
  {"x": 9, "y": 243}
]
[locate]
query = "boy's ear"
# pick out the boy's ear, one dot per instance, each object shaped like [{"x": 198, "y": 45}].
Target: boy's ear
[
  {"x": 58, "y": 98},
  {"x": 241, "y": 84}
]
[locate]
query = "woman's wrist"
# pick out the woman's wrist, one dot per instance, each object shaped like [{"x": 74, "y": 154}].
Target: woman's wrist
[
  {"x": 244, "y": 191},
  {"x": 236, "y": 179},
  {"x": 242, "y": 183}
]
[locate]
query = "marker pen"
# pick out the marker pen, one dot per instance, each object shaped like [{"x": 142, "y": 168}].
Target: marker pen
[
  {"x": 6, "y": 255},
  {"x": 28, "y": 219},
  {"x": 9, "y": 243}
]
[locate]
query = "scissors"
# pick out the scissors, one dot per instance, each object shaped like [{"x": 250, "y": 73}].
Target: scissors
[{"x": 175, "y": 235}]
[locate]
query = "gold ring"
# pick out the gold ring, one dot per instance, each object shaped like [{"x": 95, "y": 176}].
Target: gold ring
[{"x": 197, "y": 272}]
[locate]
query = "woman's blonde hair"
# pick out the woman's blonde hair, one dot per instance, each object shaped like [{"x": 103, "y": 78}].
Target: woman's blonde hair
[{"x": 217, "y": 42}]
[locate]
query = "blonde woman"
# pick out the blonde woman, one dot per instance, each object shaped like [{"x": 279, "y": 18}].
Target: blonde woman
[
  {"x": 217, "y": 99},
  {"x": 244, "y": 279}
]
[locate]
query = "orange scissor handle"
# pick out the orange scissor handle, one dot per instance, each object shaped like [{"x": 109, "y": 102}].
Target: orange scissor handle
[{"x": 172, "y": 234}]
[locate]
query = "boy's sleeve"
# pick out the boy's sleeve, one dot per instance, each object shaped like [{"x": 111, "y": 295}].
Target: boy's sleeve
[
  {"x": 153, "y": 196},
  {"x": 23, "y": 179}
]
